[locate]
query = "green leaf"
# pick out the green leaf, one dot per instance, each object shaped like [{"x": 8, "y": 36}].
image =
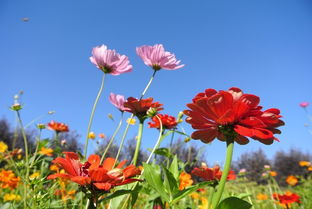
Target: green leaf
[
  {"x": 135, "y": 194},
  {"x": 234, "y": 203},
  {"x": 170, "y": 183},
  {"x": 163, "y": 152},
  {"x": 174, "y": 168},
  {"x": 116, "y": 194},
  {"x": 152, "y": 175}
]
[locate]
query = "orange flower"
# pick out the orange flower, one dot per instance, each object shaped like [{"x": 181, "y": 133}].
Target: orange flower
[
  {"x": 304, "y": 163},
  {"x": 185, "y": 180},
  {"x": 273, "y": 173},
  {"x": 54, "y": 167},
  {"x": 46, "y": 151},
  {"x": 211, "y": 174},
  {"x": 58, "y": 127},
  {"x": 93, "y": 175},
  {"x": 261, "y": 196},
  {"x": 291, "y": 180},
  {"x": 8, "y": 179},
  {"x": 102, "y": 136},
  {"x": 310, "y": 168}
]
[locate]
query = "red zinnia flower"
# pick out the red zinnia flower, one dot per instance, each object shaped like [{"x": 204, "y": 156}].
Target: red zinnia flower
[
  {"x": 212, "y": 174},
  {"x": 168, "y": 122},
  {"x": 287, "y": 198},
  {"x": 91, "y": 173},
  {"x": 58, "y": 127},
  {"x": 140, "y": 107},
  {"x": 232, "y": 114}
]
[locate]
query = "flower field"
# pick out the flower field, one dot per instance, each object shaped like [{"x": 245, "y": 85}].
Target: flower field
[{"x": 51, "y": 174}]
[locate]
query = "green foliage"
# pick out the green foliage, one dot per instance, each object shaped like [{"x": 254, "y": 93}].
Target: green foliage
[{"x": 233, "y": 203}]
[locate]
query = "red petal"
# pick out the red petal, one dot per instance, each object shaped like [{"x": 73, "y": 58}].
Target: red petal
[
  {"x": 131, "y": 171},
  {"x": 206, "y": 135},
  {"x": 94, "y": 160},
  {"x": 108, "y": 163},
  {"x": 103, "y": 186},
  {"x": 82, "y": 180}
]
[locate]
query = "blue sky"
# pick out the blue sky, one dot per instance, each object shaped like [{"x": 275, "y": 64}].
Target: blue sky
[{"x": 263, "y": 47}]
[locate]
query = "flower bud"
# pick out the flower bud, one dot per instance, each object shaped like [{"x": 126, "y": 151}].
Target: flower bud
[
  {"x": 16, "y": 107},
  {"x": 151, "y": 112},
  {"x": 41, "y": 126}
]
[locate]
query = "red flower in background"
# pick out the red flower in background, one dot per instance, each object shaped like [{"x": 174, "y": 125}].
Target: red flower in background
[
  {"x": 232, "y": 114},
  {"x": 58, "y": 127},
  {"x": 287, "y": 198},
  {"x": 212, "y": 174},
  {"x": 103, "y": 177},
  {"x": 168, "y": 122},
  {"x": 140, "y": 107}
]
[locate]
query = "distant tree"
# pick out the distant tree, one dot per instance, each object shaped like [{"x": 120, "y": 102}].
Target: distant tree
[
  {"x": 13, "y": 137},
  {"x": 287, "y": 163},
  {"x": 254, "y": 163},
  {"x": 66, "y": 142}
]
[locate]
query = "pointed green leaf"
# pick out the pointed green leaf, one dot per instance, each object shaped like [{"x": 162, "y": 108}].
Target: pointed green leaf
[
  {"x": 234, "y": 203},
  {"x": 152, "y": 175}
]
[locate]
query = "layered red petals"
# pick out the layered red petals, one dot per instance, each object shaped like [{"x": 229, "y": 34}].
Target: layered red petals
[
  {"x": 212, "y": 174},
  {"x": 212, "y": 111},
  {"x": 138, "y": 107},
  {"x": 168, "y": 122},
  {"x": 103, "y": 177}
]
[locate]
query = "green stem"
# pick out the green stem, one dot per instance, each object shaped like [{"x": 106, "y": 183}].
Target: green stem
[
  {"x": 148, "y": 84},
  {"x": 92, "y": 115},
  {"x": 211, "y": 192},
  {"x": 112, "y": 139},
  {"x": 122, "y": 141},
  {"x": 138, "y": 144},
  {"x": 36, "y": 151},
  {"x": 26, "y": 158},
  {"x": 227, "y": 166},
  {"x": 160, "y": 138}
]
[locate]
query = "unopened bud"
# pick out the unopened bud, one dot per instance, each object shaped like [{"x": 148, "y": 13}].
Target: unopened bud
[
  {"x": 41, "y": 126},
  {"x": 151, "y": 112},
  {"x": 187, "y": 139},
  {"x": 110, "y": 116},
  {"x": 16, "y": 107}
]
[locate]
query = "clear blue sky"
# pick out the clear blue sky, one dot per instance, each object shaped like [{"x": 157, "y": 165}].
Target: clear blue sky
[{"x": 263, "y": 47}]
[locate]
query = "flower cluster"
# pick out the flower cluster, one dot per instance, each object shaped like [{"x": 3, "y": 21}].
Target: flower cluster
[
  {"x": 185, "y": 180},
  {"x": 232, "y": 114},
  {"x": 8, "y": 179},
  {"x": 92, "y": 174}
]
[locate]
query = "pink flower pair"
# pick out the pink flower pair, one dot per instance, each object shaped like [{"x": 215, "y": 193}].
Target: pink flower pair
[{"x": 109, "y": 61}]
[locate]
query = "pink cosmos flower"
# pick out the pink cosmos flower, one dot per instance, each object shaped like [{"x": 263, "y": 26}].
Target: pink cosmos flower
[
  {"x": 304, "y": 104},
  {"x": 157, "y": 58},
  {"x": 109, "y": 61},
  {"x": 118, "y": 101}
]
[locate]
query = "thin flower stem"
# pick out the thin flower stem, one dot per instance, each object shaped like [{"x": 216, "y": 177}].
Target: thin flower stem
[
  {"x": 227, "y": 166},
  {"x": 148, "y": 84},
  {"x": 36, "y": 151},
  {"x": 26, "y": 158},
  {"x": 160, "y": 138},
  {"x": 92, "y": 115},
  {"x": 112, "y": 139},
  {"x": 131, "y": 117},
  {"x": 122, "y": 141},
  {"x": 138, "y": 144}
]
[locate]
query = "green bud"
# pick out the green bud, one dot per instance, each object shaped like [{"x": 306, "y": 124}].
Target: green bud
[{"x": 16, "y": 107}]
